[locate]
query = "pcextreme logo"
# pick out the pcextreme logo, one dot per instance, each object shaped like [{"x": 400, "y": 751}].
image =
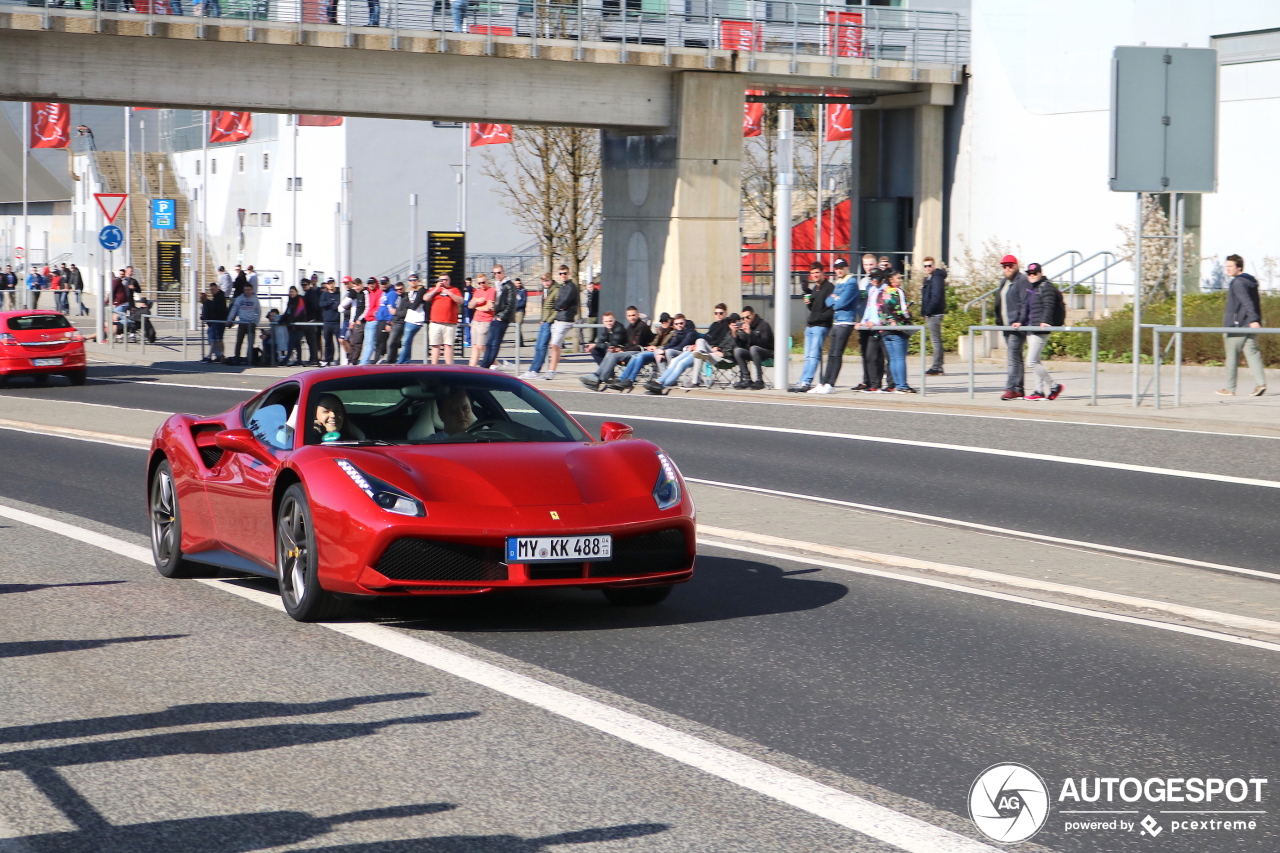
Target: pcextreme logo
[{"x": 1009, "y": 802}]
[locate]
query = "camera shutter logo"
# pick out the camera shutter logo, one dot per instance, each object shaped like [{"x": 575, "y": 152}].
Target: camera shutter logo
[{"x": 1009, "y": 802}]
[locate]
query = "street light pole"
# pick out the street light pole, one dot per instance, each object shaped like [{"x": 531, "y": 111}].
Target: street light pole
[{"x": 782, "y": 251}]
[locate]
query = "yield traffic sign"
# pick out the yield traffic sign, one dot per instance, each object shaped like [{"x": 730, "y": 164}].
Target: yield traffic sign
[{"x": 111, "y": 203}]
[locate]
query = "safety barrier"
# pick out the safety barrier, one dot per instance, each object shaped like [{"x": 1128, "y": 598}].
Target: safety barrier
[
  {"x": 1179, "y": 331},
  {"x": 1093, "y": 350}
]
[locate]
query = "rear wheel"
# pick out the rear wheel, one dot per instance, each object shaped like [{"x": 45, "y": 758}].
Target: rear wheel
[
  {"x": 166, "y": 528},
  {"x": 77, "y": 377},
  {"x": 297, "y": 563},
  {"x": 641, "y": 596},
  {"x": 40, "y": 378}
]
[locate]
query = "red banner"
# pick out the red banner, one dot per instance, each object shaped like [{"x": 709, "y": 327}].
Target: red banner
[
  {"x": 50, "y": 125},
  {"x": 845, "y": 33},
  {"x": 229, "y": 126},
  {"x": 738, "y": 35},
  {"x": 490, "y": 134},
  {"x": 484, "y": 30},
  {"x": 839, "y": 122},
  {"x": 753, "y": 116},
  {"x": 319, "y": 121}
]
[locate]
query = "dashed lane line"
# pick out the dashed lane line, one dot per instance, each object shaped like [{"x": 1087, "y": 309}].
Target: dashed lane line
[{"x": 844, "y": 809}]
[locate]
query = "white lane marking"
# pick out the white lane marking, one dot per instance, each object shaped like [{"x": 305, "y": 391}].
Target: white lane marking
[
  {"x": 76, "y": 434},
  {"x": 963, "y": 448},
  {"x": 999, "y": 531},
  {"x": 856, "y": 813},
  {"x": 896, "y": 411},
  {"x": 141, "y": 384},
  {"x": 1229, "y": 620},
  {"x": 1004, "y": 596},
  {"x": 83, "y": 403}
]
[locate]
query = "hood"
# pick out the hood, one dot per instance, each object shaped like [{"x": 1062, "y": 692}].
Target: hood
[
  {"x": 513, "y": 475},
  {"x": 1249, "y": 280}
]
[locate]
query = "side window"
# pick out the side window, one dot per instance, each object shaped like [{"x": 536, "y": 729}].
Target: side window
[{"x": 274, "y": 420}]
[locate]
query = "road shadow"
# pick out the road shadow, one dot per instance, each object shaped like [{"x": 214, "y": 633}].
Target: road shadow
[
  {"x": 500, "y": 843},
  {"x": 48, "y": 647},
  {"x": 722, "y": 588},
  {"x": 9, "y": 588},
  {"x": 186, "y": 715}
]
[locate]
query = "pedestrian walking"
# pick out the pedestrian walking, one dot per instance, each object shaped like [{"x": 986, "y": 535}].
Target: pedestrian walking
[
  {"x": 933, "y": 305},
  {"x": 817, "y": 324},
  {"x": 1244, "y": 310},
  {"x": 845, "y": 301},
  {"x": 213, "y": 313},
  {"x": 1045, "y": 307},
  {"x": 77, "y": 287},
  {"x": 1011, "y": 301}
]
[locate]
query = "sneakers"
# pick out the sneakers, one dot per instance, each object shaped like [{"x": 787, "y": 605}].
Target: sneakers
[
  {"x": 802, "y": 388},
  {"x": 529, "y": 375},
  {"x": 935, "y": 371},
  {"x": 590, "y": 380},
  {"x": 1225, "y": 392},
  {"x": 1258, "y": 391},
  {"x": 904, "y": 389},
  {"x": 822, "y": 389},
  {"x": 549, "y": 375},
  {"x": 742, "y": 385},
  {"x": 653, "y": 386},
  {"x": 622, "y": 385},
  {"x": 870, "y": 389},
  {"x": 757, "y": 385},
  {"x": 1011, "y": 395},
  {"x": 1057, "y": 389},
  {"x": 861, "y": 386},
  {"x": 889, "y": 389},
  {"x": 1036, "y": 396}
]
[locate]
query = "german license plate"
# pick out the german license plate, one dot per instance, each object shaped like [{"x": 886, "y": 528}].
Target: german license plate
[
  {"x": 546, "y": 549},
  {"x": 46, "y": 362}
]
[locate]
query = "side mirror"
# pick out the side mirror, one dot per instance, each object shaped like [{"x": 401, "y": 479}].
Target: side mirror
[
  {"x": 614, "y": 431},
  {"x": 240, "y": 441}
]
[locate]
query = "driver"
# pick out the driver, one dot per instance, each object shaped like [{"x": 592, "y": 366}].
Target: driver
[
  {"x": 331, "y": 419},
  {"x": 455, "y": 411}
]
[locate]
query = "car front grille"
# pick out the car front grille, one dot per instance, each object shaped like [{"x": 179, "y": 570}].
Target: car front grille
[
  {"x": 412, "y": 559},
  {"x": 647, "y": 554}
]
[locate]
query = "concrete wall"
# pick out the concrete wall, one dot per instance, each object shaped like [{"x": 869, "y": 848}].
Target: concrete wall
[{"x": 1032, "y": 166}]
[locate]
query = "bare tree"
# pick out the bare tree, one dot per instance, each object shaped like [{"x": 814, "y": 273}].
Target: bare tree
[
  {"x": 760, "y": 169},
  {"x": 551, "y": 185},
  {"x": 1159, "y": 253}
]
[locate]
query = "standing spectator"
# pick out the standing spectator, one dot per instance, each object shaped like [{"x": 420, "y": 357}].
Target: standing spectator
[
  {"x": 225, "y": 282},
  {"x": 213, "y": 313},
  {"x": 593, "y": 316},
  {"x": 444, "y": 298},
  {"x": 482, "y": 303},
  {"x": 331, "y": 316},
  {"x": 252, "y": 277},
  {"x": 543, "y": 342},
  {"x": 620, "y": 348},
  {"x": 753, "y": 343},
  {"x": 372, "y": 296},
  {"x": 77, "y": 287},
  {"x": 894, "y": 311},
  {"x": 398, "y": 316},
  {"x": 34, "y": 285},
  {"x": 933, "y": 305},
  {"x": 504, "y": 312},
  {"x": 61, "y": 302},
  {"x": 239, "y": 282},
  {"x": 1011, "y": 301},
  {"x": 353, "y": 305},
  {"x": 8, "y": 288},
  {"x": 522, "y": 302},
  {"x": 311, "y": 298},
  {"x": 459, "y": 9},
  {"x": 817, "y": 325},
  {"x": 1044, "y": 308},
  {"x": 415, "y": 317},
  {"x": 869, "y": 343},
  {"x": 845, "y": 300},
  {"x": 1244, "y": 310},
  {"x": 246, "y": 311},
  {"x": 383, "y": 317},
  {"x": 295, "y": 312},
  {"x": 122, "y": 302},
  {"x": 566, "y": 308},
  {"x": 468, "y": 288}
]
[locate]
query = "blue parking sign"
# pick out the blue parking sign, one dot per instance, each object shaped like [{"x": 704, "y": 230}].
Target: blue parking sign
[{"x": 164, "y": 213}]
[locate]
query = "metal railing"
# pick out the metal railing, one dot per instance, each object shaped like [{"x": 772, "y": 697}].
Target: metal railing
[
  {"x": 786, "y": 29},
  {"x": 1093, "y": 349},
  {"x": 1179, "y": 331}
]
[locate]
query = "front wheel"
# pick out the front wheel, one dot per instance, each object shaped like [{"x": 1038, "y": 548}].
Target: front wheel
[
  {"x": 637, "y": 596},
  {"x": 166, "y": 528},
  {"x": 77, "y": 377},
  {"x": 40, "y": 378},
  {"x": 297, "y": 563}
]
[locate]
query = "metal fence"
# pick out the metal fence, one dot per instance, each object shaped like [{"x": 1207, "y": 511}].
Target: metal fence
[
  {"x": 1040, "y": 330},
  {"x": 757, "y": 267},
  {"x": 749, "y": 27}
]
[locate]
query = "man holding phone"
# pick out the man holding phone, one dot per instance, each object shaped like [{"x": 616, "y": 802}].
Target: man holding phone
[{"x": 444, "y": 297}]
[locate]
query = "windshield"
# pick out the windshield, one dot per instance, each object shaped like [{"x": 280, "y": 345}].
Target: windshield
[
  {"x": 33, "y": 322},
  {"x": 433, "y": 407}
]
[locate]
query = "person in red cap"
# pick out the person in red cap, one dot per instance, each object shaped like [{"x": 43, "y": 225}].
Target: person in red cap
[{"x": 1011, "y": 301}]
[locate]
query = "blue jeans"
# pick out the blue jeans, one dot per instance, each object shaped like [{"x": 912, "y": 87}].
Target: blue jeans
[
  {"x": 814, "y": 338},
  {"x": 212, "y": 9},
  {"x": 632, "y": 370},
  {"x": 406, "y": 344},
  {"x": 895, "y": 344},
  {"x": 679, "y": 365},
  {"x": 497, "y": 331},
  {"x": 459, "y": 12},
  {"x": 370, "y": 340},
  {"x": 375, "y": 13},
  {"x": 540, "y": 348}
]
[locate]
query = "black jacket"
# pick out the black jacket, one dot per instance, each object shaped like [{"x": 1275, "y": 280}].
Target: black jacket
[
  {"x": 567, "y": 302},
  {"x": 1243, "y": 306},
  {"x": 238, "y": 286},
  {"x": 759, "y": 334},
  {"x": 329, "y": 306},
  {"x": 933, "y": 294},
  {"x": 720, "y": 336},
  {"x": 638, "y": 336},
  {"x": 214, "y": 307},
  {"x": 682, "y": 338},
  {"x": 312, "y": 300},
  {"x": 77, "y": 280},
  {"x": 1042, "y": 299},
  {"x": 593, "y": 302},
  {"x": 615, "y": 337},
  {"x": 1011, "y": 299},
  {"x": 290, "y": 314},
  {"x": 820, "y": 313},
  {"x": 504, "y": 307}
]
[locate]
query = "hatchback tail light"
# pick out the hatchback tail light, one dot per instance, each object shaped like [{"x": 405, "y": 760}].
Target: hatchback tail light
[{"x": 7, "y": 339}]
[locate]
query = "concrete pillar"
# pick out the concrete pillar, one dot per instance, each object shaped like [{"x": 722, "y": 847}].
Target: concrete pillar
[
  {"x": 928, "y": 183},
  {"x": 670, "y": 236}
]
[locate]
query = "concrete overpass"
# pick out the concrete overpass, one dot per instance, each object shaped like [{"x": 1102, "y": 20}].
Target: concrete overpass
[{"x": 668, "y": 97}]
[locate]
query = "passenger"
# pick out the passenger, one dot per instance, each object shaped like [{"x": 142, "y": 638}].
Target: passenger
[{"x": 331, "y": 419}]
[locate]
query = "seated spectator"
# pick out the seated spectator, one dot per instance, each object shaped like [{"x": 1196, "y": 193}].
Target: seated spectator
[
  {"x": 636, "y": 337},
  {"x": 609, "y": 340},
  {"x": 752, "y": 343},
  {"x": 714, "y": 346},
  {"x": 654, "y": 352}
]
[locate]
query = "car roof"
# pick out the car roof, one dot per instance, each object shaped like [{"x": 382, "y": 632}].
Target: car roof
[
  {"x": 324, "y": 374},
  {"x": 20, "y": 313}
]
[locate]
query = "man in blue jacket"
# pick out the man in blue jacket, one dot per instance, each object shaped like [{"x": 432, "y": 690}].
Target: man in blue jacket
[
  {"x": 933, "y": 305},
  {"x": 1244, "y": 310},
  {"x": 846, "y": 303}
]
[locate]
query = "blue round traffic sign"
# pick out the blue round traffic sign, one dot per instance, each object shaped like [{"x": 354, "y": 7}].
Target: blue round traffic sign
[{"x": 111, "y": 237}]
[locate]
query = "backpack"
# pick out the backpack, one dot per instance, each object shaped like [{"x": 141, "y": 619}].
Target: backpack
[{"x": 1058, "y": 317}]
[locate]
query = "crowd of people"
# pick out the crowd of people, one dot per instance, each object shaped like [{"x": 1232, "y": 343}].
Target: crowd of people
[{"x": 61, "y": 281}]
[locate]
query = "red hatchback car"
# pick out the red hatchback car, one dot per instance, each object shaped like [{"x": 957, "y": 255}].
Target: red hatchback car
[
  {"x": 40, "y": 343},
  {"x": 406, "y": 480}
]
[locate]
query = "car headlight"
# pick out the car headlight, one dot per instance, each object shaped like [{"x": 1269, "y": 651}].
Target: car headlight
[
  {"x": 666, "y": 492},
  {"x": 383, "y": 494}
]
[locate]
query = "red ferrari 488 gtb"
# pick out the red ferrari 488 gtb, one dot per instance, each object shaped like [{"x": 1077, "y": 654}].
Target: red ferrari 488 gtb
[{"x": 404, "y": 480}]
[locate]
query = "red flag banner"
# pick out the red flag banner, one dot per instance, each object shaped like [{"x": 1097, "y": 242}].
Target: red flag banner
[
  {"x": 490, "y": 134},
  {"x": 319, "y": 121},
  {"x": 741, "y": 35},
  {"x": 492, "y": 31},
  {"x": 50, "y": 125},
  {"x": 839, "y": 122},
  {"x": 753, "y": 116},
  {"x": 229, "y": 126},
  {"x": 846, "y": 33}
]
